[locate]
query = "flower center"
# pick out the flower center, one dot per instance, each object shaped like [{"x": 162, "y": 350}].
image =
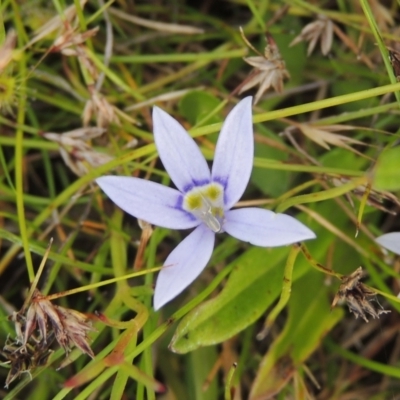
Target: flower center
[{"x": 206, "y": 203}]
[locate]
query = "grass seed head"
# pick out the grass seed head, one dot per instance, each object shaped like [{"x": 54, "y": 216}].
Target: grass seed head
[
  {"x": 269, "y": 70},
  {"x": 358, "y": 296},
  {"x": 320, "y": 29}
]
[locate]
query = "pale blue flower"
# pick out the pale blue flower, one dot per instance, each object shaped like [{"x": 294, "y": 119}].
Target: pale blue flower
[
  {"x": 390, "y": 241},
  {"x": 203, "y": 199}
]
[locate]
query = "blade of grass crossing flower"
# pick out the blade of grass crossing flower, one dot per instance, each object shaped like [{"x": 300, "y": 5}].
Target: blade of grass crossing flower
[
  {"x": 330, "y": 102},
  {"x": 324, "y": 195}
]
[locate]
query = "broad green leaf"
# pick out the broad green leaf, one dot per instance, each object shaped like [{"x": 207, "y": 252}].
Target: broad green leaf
[
  {"x": 309, "y": 320},
  {"x": 343, "y": 158},
  {"x": 197, "y": 105},
  {"x": 252, "y": 287},
  {"x": 387, "y": 171}
]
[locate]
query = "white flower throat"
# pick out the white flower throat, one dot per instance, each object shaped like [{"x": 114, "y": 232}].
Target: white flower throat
[{"x": 206, "y": 203}]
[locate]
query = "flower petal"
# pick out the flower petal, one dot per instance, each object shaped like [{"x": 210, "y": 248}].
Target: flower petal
[
  {"x": 390, "y": 241},
  {"x": 184, "y": 265},
  {"x": 150, "y": 201},
  {"x": 265, "y": 228},
  {"x": 179, "y": 153},
  {"x": 234, "y": 154}
]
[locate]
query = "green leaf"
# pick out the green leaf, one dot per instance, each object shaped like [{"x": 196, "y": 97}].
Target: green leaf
[
  {"x": 337, "y": 157},
  {"x": 387, "y": 172},
  {"x": 197, "y": 105},
  {"x": 252, "y": 287}
]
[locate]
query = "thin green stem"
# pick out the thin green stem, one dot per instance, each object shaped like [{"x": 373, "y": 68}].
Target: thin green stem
[
  {"x": 285, "y": 294},
  {"x": 19, "y": 162}
]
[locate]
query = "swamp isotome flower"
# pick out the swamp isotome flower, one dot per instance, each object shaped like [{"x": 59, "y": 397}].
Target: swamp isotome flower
[
  {"x": 203, "y": 199},
  {"x": 390, "y": 241}
]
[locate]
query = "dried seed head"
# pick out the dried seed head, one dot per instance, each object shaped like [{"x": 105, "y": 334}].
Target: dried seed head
[
  {"x": 99, "y": 108},
  {"x": 269, "y": 70},
  {"x": 24, "y": 359},
  {"x": 78, "y": 155},
  {"x": 74, "y": 332},
  {"x": 38, "y": 324},
  {"x": 326, "y": 136},
  {"x": 321, "y": 28},
  {"x": 69, "y": 326},
  {"x": 358, "y": 296},
  {"x": 72, "y": 38},
  {"x": 68, "y": 16}
]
